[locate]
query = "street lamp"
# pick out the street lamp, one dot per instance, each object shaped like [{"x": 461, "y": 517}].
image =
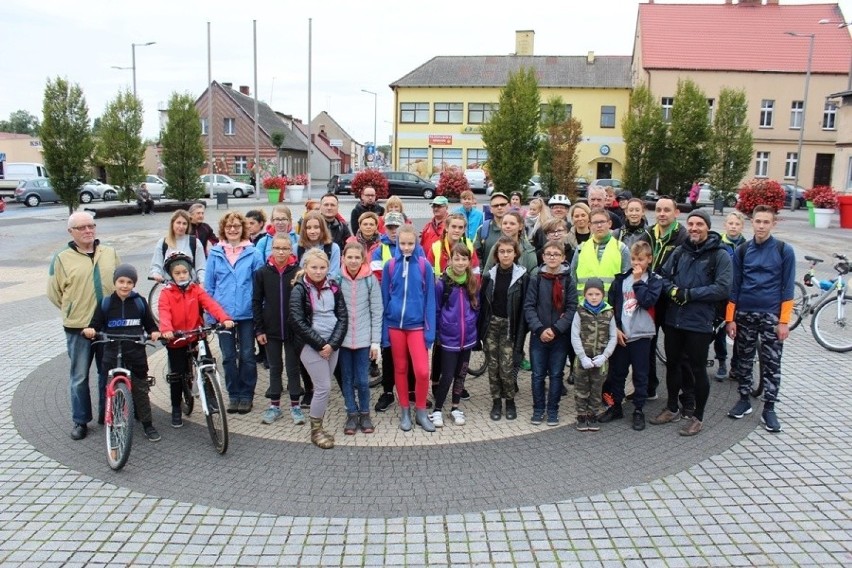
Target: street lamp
[
  {"x": 375, "y": 107},
  {"x": 132, "y": 67},
  {"x": 799, "y": 159},
  {"x": 842, "y": 25}
]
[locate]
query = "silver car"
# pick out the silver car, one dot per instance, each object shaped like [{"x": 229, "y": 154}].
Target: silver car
[{"x": 218, "y": 183}]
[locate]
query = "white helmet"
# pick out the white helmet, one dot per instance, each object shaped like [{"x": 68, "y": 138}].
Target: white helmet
[{"x": 559, "y": 199}]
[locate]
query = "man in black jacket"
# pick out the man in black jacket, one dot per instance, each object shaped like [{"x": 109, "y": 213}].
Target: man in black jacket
[
  {"x": 329, "y": 208},
  {"x": 367, "y": 203}
]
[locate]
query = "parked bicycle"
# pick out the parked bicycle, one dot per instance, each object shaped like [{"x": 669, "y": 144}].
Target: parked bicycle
[
  {"x": 204, "y": 382},
  {"x": 829, "y": 305},
  {"x": 119, "y": 414},
  {"x": 154, "y": 298}
]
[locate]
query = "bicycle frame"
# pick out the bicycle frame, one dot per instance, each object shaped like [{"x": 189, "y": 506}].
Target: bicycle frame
[
  {"x": 115, "y": 377},
  {"x": 203, "y": 362}
]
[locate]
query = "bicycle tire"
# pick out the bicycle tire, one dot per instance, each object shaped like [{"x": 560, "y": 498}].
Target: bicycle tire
[
  {"x": 188, "y": 402},
  {"x": 217, "y": 420},
  {"x": 154, "y": 301},
  {"x": 832, "y": 332},
  {"x": 375, "y": 381},
  {"x": 477, "y": 364},
  {"x": 119, "y": 431},
  {"x": 800, "y": 305}
]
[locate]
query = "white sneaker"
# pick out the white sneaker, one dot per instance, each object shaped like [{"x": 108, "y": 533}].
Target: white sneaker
[
  {"x": 458, "y": 417},
  {"x": 437, "y": 419}
]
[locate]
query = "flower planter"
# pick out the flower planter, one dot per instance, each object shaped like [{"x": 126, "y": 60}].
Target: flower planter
[
  {"x": 822, "y": 217},
  {"x": 845, "y": 211},
  {"x": 810, "y": 206},
  {"x": 297, "y": 193},
  {"x": 273, "y": 195}
]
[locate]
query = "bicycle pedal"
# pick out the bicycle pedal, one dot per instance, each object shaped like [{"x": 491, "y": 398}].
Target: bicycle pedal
[{"x": 151, "y": 380}]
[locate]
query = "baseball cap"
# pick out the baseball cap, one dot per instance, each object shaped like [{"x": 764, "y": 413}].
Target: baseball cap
[
  {"x": 439, "y": 201},
  {"x": 394, "y": 219}
]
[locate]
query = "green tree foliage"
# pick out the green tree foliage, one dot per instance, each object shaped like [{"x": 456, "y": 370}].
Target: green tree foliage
[
  {"x": 731, "y": 142},
  {"x": 554, "y": 113},
  {"x": 688, "y": 146},
  {"x": 511, "y": 135},
  {"x": 644, "y": 134},
  {"x": 557, "y": 154},
  {"x": 119, "y": 143},
  {"x": 66, "y": 139},
  {"x": 20, "y": 122},
  {"x": 183, "y": 151}
]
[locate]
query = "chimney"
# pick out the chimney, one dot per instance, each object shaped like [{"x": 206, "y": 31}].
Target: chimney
[
  {"x": 244, "y": 90},
  {"x": 524, "y": 42},
  {"x": 228, "y": 85},
  {"x": 590, "y": 58}
]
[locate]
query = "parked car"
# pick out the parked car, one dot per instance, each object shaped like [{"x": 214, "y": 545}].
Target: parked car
[
  {"x": 435, "y": 178},
  {"x": 405, "y": 183},
  {"x": 534, "y": 187},
  {"x": 94, "y": 189},
  {"x": 340, "y": 183},
  {"x": 800, "y": 194},
  {"x": 13, "y": 172},
  {"x": 476, "y": 179},
  {"x": 156, "y": 186},
  {"x": 608, "y": 182},
  {"x": 224, "y": 184},
  {"x": 32, "y": 192}
]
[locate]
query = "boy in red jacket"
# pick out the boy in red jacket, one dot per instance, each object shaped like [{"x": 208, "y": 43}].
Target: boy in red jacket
[{"x": 181, "y": 305}]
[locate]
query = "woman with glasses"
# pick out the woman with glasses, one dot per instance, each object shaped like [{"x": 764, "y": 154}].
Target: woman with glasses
[
  {"x": 282, "y": 224},
  {"x": 512, "y": 226}
]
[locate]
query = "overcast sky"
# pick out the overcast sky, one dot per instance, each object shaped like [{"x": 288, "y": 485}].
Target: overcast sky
[{"x": 355, "y": 45}]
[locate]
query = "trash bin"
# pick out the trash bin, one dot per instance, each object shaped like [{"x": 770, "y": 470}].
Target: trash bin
[
  {"x": 272, "y": 195},
  {"x": 810, "y": 206},
  {"x": 845, "y": 211},
  {"x": 222, "y": 199}
]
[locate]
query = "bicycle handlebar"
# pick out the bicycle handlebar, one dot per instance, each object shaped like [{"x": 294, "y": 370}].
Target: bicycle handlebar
[
  {"x": 200, "y": 330},
  {"x": 101, "y": 337}
]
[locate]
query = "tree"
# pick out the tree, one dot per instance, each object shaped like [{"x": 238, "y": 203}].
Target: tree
[
  {"x": 644, "y": 134},
  {"x": 511, "y": 135},
  {"x": 183, "y": 152},
  {"x": 66, "y": 140},
  {"x": 731, "y": 143},
  {"x": 554, "y": 113},
  {"x": 119, "y": 143},
  {"x": 20, "y": 122},
  {"x": 688, "y": 145},
  {"x": 557, "y": 154}
]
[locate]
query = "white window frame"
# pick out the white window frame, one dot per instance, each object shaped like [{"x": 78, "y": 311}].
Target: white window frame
[
  {"x": 711, "y": 106},
  {"x": 204, "y": 126},
  {"x": 829, "y": 116},
  {"x": 230, "y": 126},
  {"x": 791, "y": 165},
  {"x": 240, "y": 165},
  {"x": 767, "y": 112},
  {"x": 797, "y": 115},
  {"x": 761, "y": 165},
  {"x": 668, "y": 104}
]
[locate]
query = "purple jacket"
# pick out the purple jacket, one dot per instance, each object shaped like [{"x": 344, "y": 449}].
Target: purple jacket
[{"x": 456, "y": 319}]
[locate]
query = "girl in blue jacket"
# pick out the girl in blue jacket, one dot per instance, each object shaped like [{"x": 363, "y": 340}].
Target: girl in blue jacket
[
  {"x": 408, "y": 296},
  {"x": 456, "y": 295}
]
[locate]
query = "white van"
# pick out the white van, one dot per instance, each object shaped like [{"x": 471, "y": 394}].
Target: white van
[
  {"x": 476, "y": 179},
  {"x": 13, "y": 172}
]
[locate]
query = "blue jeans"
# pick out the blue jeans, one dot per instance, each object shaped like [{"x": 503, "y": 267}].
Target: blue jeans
[
  {"x": 81, "y": 353},
  {"x": 548, "y": 359},
  {"x": 241, "y": 379},
  {"x": 355, "y": 365}
]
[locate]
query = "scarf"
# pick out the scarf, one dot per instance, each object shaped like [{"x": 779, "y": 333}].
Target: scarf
[
  {"x": 594, "y": 309},
  {"x": 460, "y": 280},
  {"x": 365, "y": 242},
  {"x": 558, "y": 290}
]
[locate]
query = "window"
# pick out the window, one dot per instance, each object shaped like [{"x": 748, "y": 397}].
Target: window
[
  {"x": 230, "y": 126},
  {"x": 667, "y": 104},
  {"x": 240, "y": 165},
  {"x": 761, "y": 164},
  {"x": 446, "y": 159},
  {"x": 791, "y": 165},
  {"x": 711, "y": 104},
  {"x": 480, "y": 113},
  {"x": 796, "y": 110},
  {"x": 414, "y": 112},
  {"x": 409, "y": 157},
  {"x": 829, "y": 117},
  {"x": 545, "y": 108},
  {"x": 476, "y": 157},
  {"x": 607, "y": 116},
  {"x": 449, "y": 113},
  {"x": 204, "y": 127},
  {"x": 766, "y": 109}
]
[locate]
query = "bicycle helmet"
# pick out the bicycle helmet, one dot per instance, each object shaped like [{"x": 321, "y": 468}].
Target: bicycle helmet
[
  {"x": 559, "y": 199},
  {"x": 175, "y": 259}
]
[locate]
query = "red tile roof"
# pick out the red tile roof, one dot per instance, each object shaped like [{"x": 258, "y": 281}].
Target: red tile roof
[{"x": 731, "y": 37}]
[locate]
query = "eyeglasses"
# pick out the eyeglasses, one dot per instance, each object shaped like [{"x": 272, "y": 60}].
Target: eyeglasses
[
  {"x": 556, "y": 231},
  {"x": 282, "y": 249},
  {"x": 240, "y": 227},
  {"x": 600, "y": 222},
  {"x": 280, "y": 219},
  {"x": 553, "y": 254},
  {"x": 504, "y": 204},
  {"x": 85, "y": 227}
]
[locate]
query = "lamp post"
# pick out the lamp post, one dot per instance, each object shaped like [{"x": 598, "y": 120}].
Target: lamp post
[
  {"x": 375, "y": 107},
  {"x": 799, "y": 159},
  {"x": 842, "y": 25},
  {"x": 133, "y": 47}
]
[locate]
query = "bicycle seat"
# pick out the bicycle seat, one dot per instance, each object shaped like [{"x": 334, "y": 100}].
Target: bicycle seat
[{"x": 814, "y": 259}]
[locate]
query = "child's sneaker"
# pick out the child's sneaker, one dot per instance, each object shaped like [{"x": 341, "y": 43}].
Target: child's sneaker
[
  {"x": 592, "y": 424},
  {"x": 151, "y": 433},
  {"x": 437, "y": 419},
  {"x": 271, "y": 414},
  {"x": 582, "y": 426},
  {"x": 537, "y": 417},
  {"x": 458, "y": 417},
  {"x": 553, "y": 420},
  {"x": 177, "y": 417},
  {"x": 770, "y": 420},
  {"x": 297, "y": 415}
]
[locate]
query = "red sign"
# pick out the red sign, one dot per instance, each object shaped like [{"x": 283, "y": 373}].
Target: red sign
[{"x": 441, "y": 139}]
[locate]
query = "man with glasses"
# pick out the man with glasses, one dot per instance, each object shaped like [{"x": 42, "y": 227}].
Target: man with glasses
[
  {"x": 434, "y": 229},
  {"x": 598, "y": 200},
  {"x": 367, "y": 203},
  {"x": 80, "y": 276},
  {"x": 491, "y": 231}
]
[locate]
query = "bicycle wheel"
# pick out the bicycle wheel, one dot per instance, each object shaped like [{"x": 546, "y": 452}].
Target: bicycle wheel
[
  {"x": 800, "y": 305},
  {"x": 478, "y": 363},
  {"x": 189, "y": 380},
  {"x": 119, "y": 431},
  {"x": 375, "y": 380},
  {"x": 217, "y": 421},
  {"x": 831, "y": 324},
  {"x": 154, "y": 301}
]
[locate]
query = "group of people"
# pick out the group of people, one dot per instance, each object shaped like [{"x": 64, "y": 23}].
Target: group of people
[{"x": 324, "y": 298}]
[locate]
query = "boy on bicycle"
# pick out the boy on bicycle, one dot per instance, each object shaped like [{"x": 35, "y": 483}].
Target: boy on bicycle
[
  {"x": 125, "y": 312},
  {"x": 181, "y": 305}
]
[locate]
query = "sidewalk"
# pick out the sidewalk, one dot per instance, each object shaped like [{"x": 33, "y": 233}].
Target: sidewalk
[{"x": 734, "y": 495}]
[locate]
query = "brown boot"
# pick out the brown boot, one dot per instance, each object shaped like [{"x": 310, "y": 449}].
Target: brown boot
[{"x": 320, "y": 437}]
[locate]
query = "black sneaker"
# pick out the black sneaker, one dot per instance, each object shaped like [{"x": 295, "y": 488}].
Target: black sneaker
[
  {"x": 384, "y": 402},
  {"x": 770, "y": 420},
  {"x": 740, "y": 409},
  {"x": 638, "y": 420},
  {"x": 306, "y": 400},
  {"x": 612, "y": 413},
  {"x": 497, "y": 409},
  {"x": 177, "y": 418},
  {"x": 151, "y": 433},
  {"x": 465, "y": 395},
  {"x": 629, "y": 397}
]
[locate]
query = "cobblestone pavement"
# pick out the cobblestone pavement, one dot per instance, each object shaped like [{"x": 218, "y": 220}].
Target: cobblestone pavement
[{"x": 483, "y": 494}]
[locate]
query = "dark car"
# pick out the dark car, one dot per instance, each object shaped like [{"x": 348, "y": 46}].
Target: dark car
[
  {"x": 340, "y": 183},
  {"x": 800, "y": 195},
  {"x": 408, "y": 184}
]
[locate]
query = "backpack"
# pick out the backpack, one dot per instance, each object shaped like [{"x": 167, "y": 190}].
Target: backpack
[
  {"x": 140, "y": 304},
  {"x": 420, "y": 260},
  {"x": 741, "y": 250},
  {"x": 326, "y": 248},
  {"x": 192, "y": 241}
]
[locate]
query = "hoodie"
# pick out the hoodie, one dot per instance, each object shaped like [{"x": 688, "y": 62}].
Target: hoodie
[
  {"x": 408, "y": 294},
  {"x": 363, "y": 296}
]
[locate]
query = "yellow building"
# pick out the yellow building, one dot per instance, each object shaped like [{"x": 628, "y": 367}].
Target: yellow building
[{"x": 441, "y": 105}]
